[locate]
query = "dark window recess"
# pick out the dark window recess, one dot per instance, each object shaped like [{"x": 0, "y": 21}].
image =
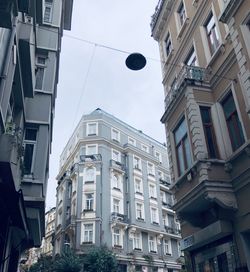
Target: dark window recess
[
  {"x": 28, "y": 157},
  {"x": 222, "y": 262},
  {"x": 209, "y": 132},
  {"x": 30, "y": 134},
  {"x": 233, "y": 123}
]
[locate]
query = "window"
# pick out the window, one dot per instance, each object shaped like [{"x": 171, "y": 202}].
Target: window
[
  {"x": 91, "y": 149},
  {"x": 116, "y": 155},
  {"x": 115, "y": 135},
  {"x": 116, "y": 205},
  {"x": 152, "y": 190},
  {"x": 152, "y": 243},
  {"x": 209, "y": 132},
  {"x": 144, "y": 148},
  {"x": 191, "y": 59},
  {"x": 163, "y": 196},
  {"x": 137, "y": 163},
  {"x": 151, "y": 169},
  {"x": 48, "y": 8},
  {"x": 88, "y": 233},
  {"x": 40, "y": 71},
  {"x": 233, "y": 123},
  {"x": 158, "y": 156},
  {"x": 138, "y": 185},
  {"x": 212, "y": 33},
  {"x": 116, "y": 179},
  {"x": 154, "y": 215},
  {"x": 90, "y": 174},
  {"x": 131, "y": 141},
  {"x": 29, "y": 150},
  {"x": 181, "y": 13},
  {"x": 182, "y": 147},
  {"x": 89, "y": 202},
  {"x": 117, "y": 237},
  {"x": 167, "y": 246},
  {"x": 168, "y": 45},
  {"x": 91, "y": 129},
  {"x": 137, "y": 241},
  {"x": 165, "y": 219},
  {"x": 139, "y": 211}
]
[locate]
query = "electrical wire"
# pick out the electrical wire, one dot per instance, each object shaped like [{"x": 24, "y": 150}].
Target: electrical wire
[
  {"x": 120, "y": 50},
  {"x": 84, "y": 84}
]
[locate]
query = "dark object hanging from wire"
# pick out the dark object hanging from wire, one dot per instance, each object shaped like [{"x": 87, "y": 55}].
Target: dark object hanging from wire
[{"x": 136, "y": 61}]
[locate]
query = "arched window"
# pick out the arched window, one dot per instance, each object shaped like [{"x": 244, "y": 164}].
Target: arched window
[{"x": 116, "y": 180}]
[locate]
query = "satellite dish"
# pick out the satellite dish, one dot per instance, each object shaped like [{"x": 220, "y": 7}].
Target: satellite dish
[{"x": 136, "y": 61}]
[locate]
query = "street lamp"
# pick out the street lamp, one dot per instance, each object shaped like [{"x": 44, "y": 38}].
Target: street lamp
[{"x": 136, "y": 61}]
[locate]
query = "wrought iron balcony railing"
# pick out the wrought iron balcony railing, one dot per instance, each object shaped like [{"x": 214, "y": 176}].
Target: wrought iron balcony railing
[{"x": 188, "y": 75}]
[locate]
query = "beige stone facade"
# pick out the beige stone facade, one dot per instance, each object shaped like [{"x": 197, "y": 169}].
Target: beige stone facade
[{"x": 205, "y": 51}]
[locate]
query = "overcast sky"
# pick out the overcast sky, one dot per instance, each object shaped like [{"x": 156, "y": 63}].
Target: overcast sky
[{"x": 92, "y": 76}]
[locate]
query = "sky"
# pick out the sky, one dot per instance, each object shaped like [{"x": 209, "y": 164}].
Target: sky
[{"x": 93, "y": 74}]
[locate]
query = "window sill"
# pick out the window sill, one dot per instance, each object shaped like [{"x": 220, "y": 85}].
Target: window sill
[
  {"x": 155, "y": 223},
  {"x": 183, "y": 27},
  {"x": 139, "y": 193},
  {"x": 220, "y": 49},
  {"x": 93, "y": 134},
  {"x": 153, "y": 251},
  {"x": 89, "y": 182},
  {"x": 116, "y": 189},
  {"x": 137, "y": 249},
  {"x": 117, "y": 246},
  {"x": 87, "y": 243},
  {"x": 153, "y": 198},
  {"x": 88, "y": 210},
  {"x": 140, "y": 219}
]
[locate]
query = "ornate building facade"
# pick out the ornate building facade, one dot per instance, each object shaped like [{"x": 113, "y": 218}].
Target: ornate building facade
[
  {"x": 113, "y": 189},
  {"x": 204, "y": 49}
]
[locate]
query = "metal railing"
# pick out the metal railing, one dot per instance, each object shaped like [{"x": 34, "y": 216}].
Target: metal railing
[{"x": 187, "y": 75}]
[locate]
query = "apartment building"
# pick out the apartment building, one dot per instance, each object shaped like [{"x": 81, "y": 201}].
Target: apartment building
[
  {"x": 30, "y": 44},
  {"x": 113, "y": 189},
  {"x": 204, "y": 49},
  {"x": 47, "y": 244}
]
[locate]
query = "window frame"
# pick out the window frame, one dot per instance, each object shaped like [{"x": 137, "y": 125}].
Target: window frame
[
  {"x": 182, "y": 15},
  {"x": 140, "y": 186},
  {"x": 49, "y": 4},
  {"x": 33, "y": 143},
  {"x": 167, "y": 245},
  {"x": 139, "y": 212},
  {"x": 152, "y": 243},
  {"x": 137, "y": 240},
  {"x": 115, "y": 132},
  {"x": 137, "y": 163},
  {"x": 181, "y": 143},
  {"x": 210, "y": 126},
  {"x": 89, "y": 130},
  {"x": 212, "y": 33},
  {"x": 168, "y": 45},
  {"x": 116, "y": 206},
  {"x": 90, "y": 233},
  {"x": 89, "y": 202},
  {"x": 91, "y": 145},
  {"x": 154, "y": 215},
  {"x": 151, "y": 168},
  {"x": 237, "y": 124},
  {"x": 116, "y": 155}
]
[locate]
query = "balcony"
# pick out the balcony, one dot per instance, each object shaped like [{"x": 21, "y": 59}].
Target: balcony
[
  {"x": 118, "y": 217},
  {"x": 117, "y": 165},
  {"x": 164, "y": 182},
  {"x": 91, "y": 158},
  {"x": 172, "y": 230},
  {"x": 167, "y": 205},
  {"x": 207, "y": 196},
  {"x": 10, "y": 151},
  {"x": 189, "y": 75},
  {"x": 230, "y": 7}
]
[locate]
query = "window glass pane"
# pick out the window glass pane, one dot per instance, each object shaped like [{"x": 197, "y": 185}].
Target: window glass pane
[
  {"x": 39, "y": 78},
  {"x": 28, "y": 157},
  {"x": 180, "y": 131},
  {"x": 229, "y": 106},
  {"x": 30, "y": 134},
  {"x": 180, "y": 156},
  {"x": 187, "y": 153}
]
